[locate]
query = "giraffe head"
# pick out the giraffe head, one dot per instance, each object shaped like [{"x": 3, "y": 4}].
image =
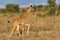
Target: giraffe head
[
  {"x": 30, "y": 5},
  {"x": 28, "y": 9}
]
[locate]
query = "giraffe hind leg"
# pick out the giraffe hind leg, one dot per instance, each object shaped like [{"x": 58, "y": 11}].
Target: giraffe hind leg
[
  {"x": 28, "y": 28},
  {"x": 22, "y": 30},
  {"x": 17, "y": 29}
]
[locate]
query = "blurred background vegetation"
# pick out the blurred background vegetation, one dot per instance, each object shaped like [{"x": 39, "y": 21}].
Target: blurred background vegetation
[{"x": 50, "y": 9}]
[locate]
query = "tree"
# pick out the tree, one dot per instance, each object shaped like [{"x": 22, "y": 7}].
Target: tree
[
  {"x": 2, "y": 10},
  {"x": 46, "y": 7},
  {"x": 12, "y": 8},
  {"x": 59, "y": 7},
  {"x": 52, "y": 3},
  {"x": 40, "y": 7},
  {"x": 52, "y": 6},
  {"x": 34, "y": 7}
]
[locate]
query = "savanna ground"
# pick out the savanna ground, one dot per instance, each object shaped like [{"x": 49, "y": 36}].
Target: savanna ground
[{"x": 43, "y": 28}]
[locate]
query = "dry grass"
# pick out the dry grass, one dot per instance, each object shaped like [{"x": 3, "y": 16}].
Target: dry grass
[{"x": 43, "y": 28}]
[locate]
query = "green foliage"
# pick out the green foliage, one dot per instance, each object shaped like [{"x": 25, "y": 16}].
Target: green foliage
[
  {"x": 52, "y": 6},
  {"x": 2, "y": 10},
  {"x": 34, "y": 7},
  {"x": 46, "y": 7},
  {"x": 12, "y": 8},
  {"x": 51, "y": 3},
  {"x": 51, "y": 11},
  {"x": 39, "y": 7},
  {"x": 59, "y": 7}
]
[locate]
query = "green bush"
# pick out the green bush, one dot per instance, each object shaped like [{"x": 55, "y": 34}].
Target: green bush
[
  {"x": 59, "y": 7},
  {"x": 51, "y": 11},
  {"x": 2, "y": 11},
  {"x": 12, "y": 8}
]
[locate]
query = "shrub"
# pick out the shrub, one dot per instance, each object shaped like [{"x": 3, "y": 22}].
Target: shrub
[
  {"x": 12, "y": 8},
  {"x": 51, "y": 11},
  {"x": 2, "y": 11}
]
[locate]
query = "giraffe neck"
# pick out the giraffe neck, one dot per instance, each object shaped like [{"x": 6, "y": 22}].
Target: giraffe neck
[{"x": 25, "y": 13}]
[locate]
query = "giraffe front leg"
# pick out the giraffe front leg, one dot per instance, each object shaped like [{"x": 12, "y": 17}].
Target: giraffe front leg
[{"x": 12, "y": 31}]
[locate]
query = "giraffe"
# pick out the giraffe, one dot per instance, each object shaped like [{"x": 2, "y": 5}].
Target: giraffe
[{"x": 21, "y": 20}]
